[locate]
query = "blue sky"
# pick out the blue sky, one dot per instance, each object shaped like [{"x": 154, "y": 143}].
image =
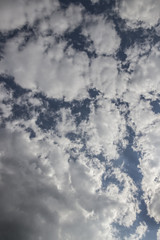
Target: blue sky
[{"x": 79, "y": 120}]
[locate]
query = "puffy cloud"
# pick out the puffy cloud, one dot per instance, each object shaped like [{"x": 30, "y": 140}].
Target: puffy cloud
[
  {"x": 104, "y": 76},
  {"x": 140, "y": 232},
  {"x": 143, "y": 13},
  {"x": 53, "y": 71},
  {"x": 143, "y": 88},
  {"x": 143, "y": 79},
  {"x": 147, "y": 67},
  {"x": 97, "y": 1},
  {"x": 103, "y": 34},
  {"x": 63, "y": 198},
  {"x": 57, "y": 177},
  {"x": 19, "y": 183},
  {"x": 49, "y": 13},
  {"x": 5, "y": 105},
  {"x": 158, "y": 234},
  {"x": 15, "y": 14},
  {"x": 105, "y": 130},
  {"x": 135, "y": 52},
  {"x": 146, "y": 126},
  {"x": 62, "y": 20},
  {"x": 69, "y": 19},
  {"x": 148, "y": 144}
]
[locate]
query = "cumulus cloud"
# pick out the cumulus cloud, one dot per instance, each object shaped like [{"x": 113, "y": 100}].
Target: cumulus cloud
[
  {"x": 140, "y": 13},
  {"x": 146, "y": 126},
  {"x": 52, "y": 71},
  {"x": 98, "y": 1},
  {"x": 69, "y": 19},
  {"x": 15, "y": 14},
  {"x": 104, "y": 76},
  {"x": 61, "y": 20},
  {"x": 147, "y": 67},
  {"x": 140, "y": 232},
  {"x": 63, "y": 136},
  {"x": 5, "y": 105},
  {"x": 142, "y": 89},
  {"x": 17, "y": 165},
  {"x": 60, "y": 196},
  {"x": 106, "y": 128},
  {"x": 94, "y": 1},
  {"x": 158, "y": 234},
  {"x": 142, "y": 78},
  {"x": 103, "y": 34}
]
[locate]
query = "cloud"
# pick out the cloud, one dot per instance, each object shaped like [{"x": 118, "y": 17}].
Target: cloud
[
  {"x": 48, "y": 69},
  {"x": 68, "y": 175},
  {"x": 66, "y": 20},
  {"x": 6, "y": 106},
  {"x": 105, "y": 130},
  {"x": 158, "y": 234},
  {"x": 19, "y": 183},
  {"x": 146, "y": 126},
  {"x": 94, "y": 1},
  {"x": 143, "y": 88},
  {"x": 40, "y": 181},
  {"x": 104, "y": 76},
  {"x": 136, "y": 52},
  {"x": 140, "y": 13},
  {"x": 98, "y": 1},
  {"x": 103, "y": 34},
  {"x": 139, "y": 81},
  {"x": 140, "y": 232},
  {"x": 142, "y": 78},
  {"x": 15, "y": 15}
]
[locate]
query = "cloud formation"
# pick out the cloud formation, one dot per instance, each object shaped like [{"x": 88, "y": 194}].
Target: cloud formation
[
  {"x": 103, "y": 34},
  {"x": 79, "y": 120},
  {"x": 31, "y": 65},
  {"x": 140, "y": 13},
  {"x": 27, "y": 12}
]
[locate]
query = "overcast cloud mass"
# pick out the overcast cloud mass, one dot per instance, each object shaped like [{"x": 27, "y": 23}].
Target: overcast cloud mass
[{"x": 79, "y": 120}]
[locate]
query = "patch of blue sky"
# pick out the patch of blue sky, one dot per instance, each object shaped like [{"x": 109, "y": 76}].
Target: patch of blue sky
[{"x": 155, "y": 106}]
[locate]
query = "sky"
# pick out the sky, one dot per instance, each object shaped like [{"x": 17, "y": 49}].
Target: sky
[{"x": 79, "y": 119}]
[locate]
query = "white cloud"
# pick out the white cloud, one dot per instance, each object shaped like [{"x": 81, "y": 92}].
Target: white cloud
[
  {"x": 146, "y": 74},
  {"x": 146, "y": 126},
  {"x": 62, "y": 20},
  {"x": 105, "y": 130},
  {"x": 139, "y": 233},
  {"x": 144, "y": 77},
  {"x": 135, "y": 53},
  {"x": 52, "y": 71},
  {"x": 39, "y": 183},
  {"x": 95, "y": 1},
  {"x": 104, "y": 76},
  {"x": 15, "y": 14},
  {"x": 158, "y": 234},
  {"x": 144, "y": 81},
  {"x": 51, "y": 16},
  {"x": 143, "y": 13},
  {"x": 98, "y": 1},
  {"x": 5, "y": 105},
  {"x": 32, "y": 192},
  {"x": 103, "y": 34},
  {"x": 51, "y": 179},
  {"x": 69, "y": 19},
  {"x": 65, "y": 199},
  {"x": 129, "y": 208}
]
